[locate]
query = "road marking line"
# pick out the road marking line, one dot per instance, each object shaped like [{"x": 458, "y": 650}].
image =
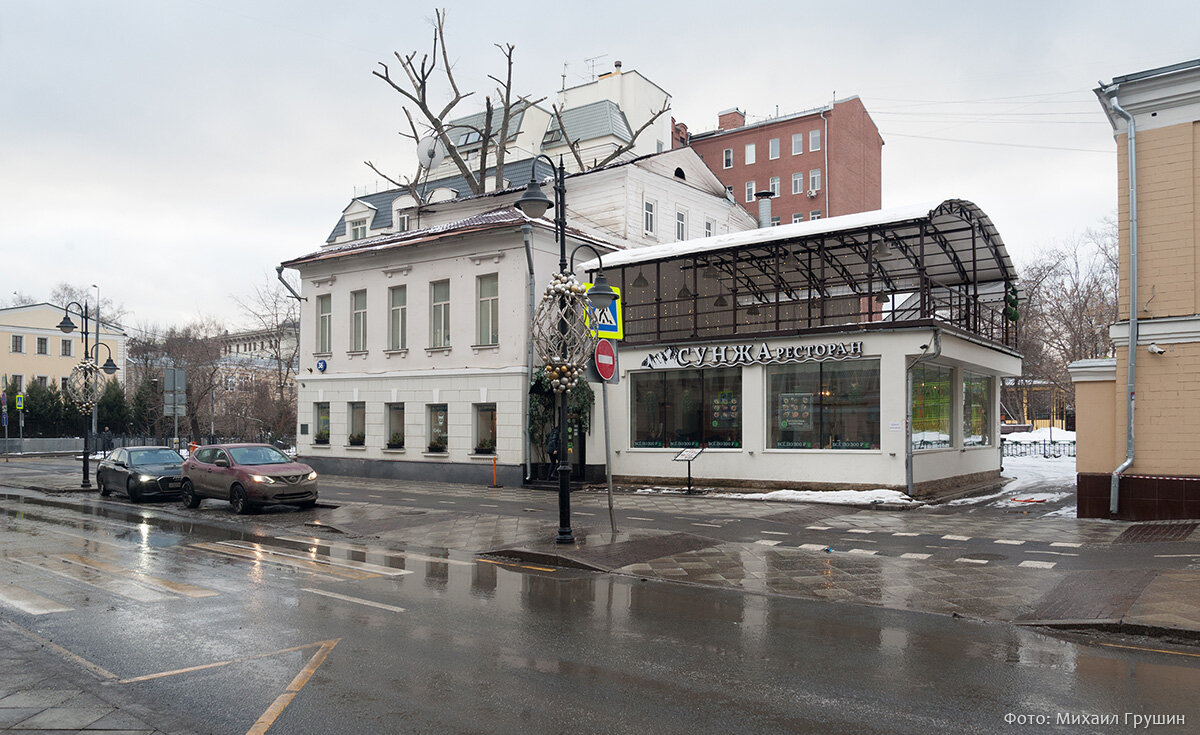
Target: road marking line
[
  {"x": 581, "y": 513},
  {"x": 215, "y": 664},
  {"x": 1175, "y": 556},
  {"x": 356, "y": 600},
  {"x": 361, "y": 566},
  {"x": 1067, "y": 544},
  {"x": 813, "y": 547},
  {"x": 708, "y": 525},
  {"x": 818, "y": 528},
  {"x": 1009, "y": 541},
  {"x": 776, "y": 533},
  {"x": 447, "y": 502},
  {"x": 283, "y": 700},
  {"x": 952, "y": 537},
  {"x": 519, "y": 566},
  {"x": 181, "y": 588},
  {"x": 30, "y": 602},
  {"x": 374, "y": 496},
  {"x": 488, "y": 505},
  {"x": 1153, "y": 650},
  {"x": 905, "y": 533},
  {"x": 859, "y": 530},
  {"x": 99, "y": 671},
  {"x": 863, "y": 551},
  {"x": 638, "y": 518},
  {"x": 1055, "y": 553},
  {"x": 968, "y": 560},
  {"x": 767, "y": 541},
  {"x": 915, "y": 555},
  {"x": 92, "y": 578},
  {"x": 370, "y": 550},
  {"x": 1037, "y": 564},
  {"x": 314, "y": 567}
]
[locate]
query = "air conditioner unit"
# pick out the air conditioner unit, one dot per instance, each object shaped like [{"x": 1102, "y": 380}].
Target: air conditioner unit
[{"x": 812, "y": 193}]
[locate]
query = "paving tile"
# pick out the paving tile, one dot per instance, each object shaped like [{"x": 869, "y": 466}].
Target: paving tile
[
  {"x": 11, "y": 716},
  {"x": 42, "y": 698},
  {"x": 118, "y": 720},
  {"x": 63, "y": 718}
]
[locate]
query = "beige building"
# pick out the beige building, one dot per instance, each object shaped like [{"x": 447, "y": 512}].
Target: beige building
[
  {"x": 1149, "y": 468},
  {"x": 33, "y": 348}
]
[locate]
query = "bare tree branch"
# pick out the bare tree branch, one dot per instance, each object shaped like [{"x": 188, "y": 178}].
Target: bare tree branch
[
  {"x": 633, "y": 140},
  {"x": 573, "y": 145}
]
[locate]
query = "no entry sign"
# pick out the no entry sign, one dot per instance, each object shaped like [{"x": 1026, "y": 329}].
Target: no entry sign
[{"x": 606, "y": 360}]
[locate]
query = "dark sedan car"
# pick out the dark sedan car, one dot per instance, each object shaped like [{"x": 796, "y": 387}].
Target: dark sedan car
[
  {"x": 247, "y": 475},
  {"x": 142, "y": 472}
]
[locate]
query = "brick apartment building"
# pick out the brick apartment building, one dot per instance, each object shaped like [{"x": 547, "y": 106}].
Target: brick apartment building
[{"x": 819, "y": 163}]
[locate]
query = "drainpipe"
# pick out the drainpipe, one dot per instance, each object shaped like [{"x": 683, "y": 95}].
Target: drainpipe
[
  {"x": 288, "y": 286},
  {"x": 825, "y": 150},
  {"x": 1131, "y": 141},
  {"x": 908, "y": 380},
  {"x": 527, "y": 449}
]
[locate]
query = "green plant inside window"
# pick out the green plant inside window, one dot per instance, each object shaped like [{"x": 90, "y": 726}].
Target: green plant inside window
[{"x": 357, "y": 440}]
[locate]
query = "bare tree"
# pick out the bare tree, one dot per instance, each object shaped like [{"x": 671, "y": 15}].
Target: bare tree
[
  {"x": 271, "y": 311},
  {"x": 110, "y": 311},
  {"x": 19, "y": 298},
  {"x": 573, "y": 145}
]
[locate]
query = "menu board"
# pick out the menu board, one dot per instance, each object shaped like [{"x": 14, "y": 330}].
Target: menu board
[
  {"x": 726, "y": 410},
  {"x": 796, "y": 411}
]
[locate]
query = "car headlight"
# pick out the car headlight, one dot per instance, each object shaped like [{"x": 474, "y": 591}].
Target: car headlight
[
  {"x": 263, "y": 479},
  {"x": 312, "y": 475},
  {"x": 145, "y": 478}
]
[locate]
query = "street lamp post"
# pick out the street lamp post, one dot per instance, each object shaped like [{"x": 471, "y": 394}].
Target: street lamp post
[
  {"x": 91, "y": 353},
  {"x": 533, "y": 203}
]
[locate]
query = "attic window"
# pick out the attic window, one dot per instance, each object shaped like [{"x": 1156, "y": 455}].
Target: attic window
[
  {"x": 552, "y": 136},
  {"x": 471, "y": 136},
  {"x": 358, "y": 229},
  {"x": 679, "y": 174}
]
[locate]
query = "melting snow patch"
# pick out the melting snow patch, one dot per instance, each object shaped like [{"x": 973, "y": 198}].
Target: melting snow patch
[
  {"x": 838, "y": 497},
  {"x": 1067, "y": 511},
  {"x": 1028, "y": 499}
]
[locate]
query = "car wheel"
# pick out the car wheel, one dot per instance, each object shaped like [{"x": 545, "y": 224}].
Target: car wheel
[
  {"x": 238, "y": 500},
  {"x": 104, "y": 491},
  {"x": 131, "y": 490},
  {"x": 190, "y": 499}
]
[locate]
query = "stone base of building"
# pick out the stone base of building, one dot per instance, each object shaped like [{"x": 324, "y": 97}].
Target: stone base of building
[
  {"x": 1142, "y": 497},
  {"x": 473, "y": 473}
]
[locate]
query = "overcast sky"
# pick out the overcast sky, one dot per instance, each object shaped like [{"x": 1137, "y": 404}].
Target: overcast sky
[{"x": 175, "y": 151}]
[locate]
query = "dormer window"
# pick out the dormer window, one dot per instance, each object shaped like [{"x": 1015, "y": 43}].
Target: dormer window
[
  {"x": 471, "y": 136},
  {"x": 553, "y": 135},
  {"x": 401, "y": 222},
  {"x": 358, "y": 229}
]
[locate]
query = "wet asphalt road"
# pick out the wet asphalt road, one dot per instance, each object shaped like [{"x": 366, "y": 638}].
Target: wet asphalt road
[{"x": 206, "y": 627}]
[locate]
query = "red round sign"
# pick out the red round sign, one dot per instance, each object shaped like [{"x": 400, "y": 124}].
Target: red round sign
[{"x": 606, "y": 359}]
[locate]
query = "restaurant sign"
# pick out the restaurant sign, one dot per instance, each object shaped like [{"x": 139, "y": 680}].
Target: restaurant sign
[{"x": 749, "y": 354}]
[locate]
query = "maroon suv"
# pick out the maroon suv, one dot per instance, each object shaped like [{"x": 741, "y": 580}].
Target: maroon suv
[{"x": 247, "y": 475}]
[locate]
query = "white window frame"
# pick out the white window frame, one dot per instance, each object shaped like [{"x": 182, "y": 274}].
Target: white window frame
[
  {"x": 400, "y": 221},
  {"x": 648, "y": 209},
  {"x": 798, "y": 182},
  {"x": 773, "y": 185},
  {"x": 358, "y": 229},
  {"x": 358, "y": 321},
  {"x": 797, "y": 217},
  {"x": 797, "y": 143},
  {"x": 439, "y": 316},
  {"x": 398, "y": 318},
  {"x": 680, "y": 224},
  {"x": 773, "y": 148},
  {"x": 814, "y": 140},
  {"x": 750, "y": 191},
  {"x": 709, "y": 227},
  {"x": 815, "y": 214},
  {"x": 487, "y": 312},
  {"x": 775, "y": 222},
  {"x": 750, "y": 154},
  {"x": 324, "y": 324},
  {"x": 814, "y": 179},
  {"x": 727, "y": 158}
]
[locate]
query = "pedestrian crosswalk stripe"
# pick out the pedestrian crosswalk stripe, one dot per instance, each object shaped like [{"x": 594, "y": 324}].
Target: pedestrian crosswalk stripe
[
  {"x": 952, "y": 537},
  {"x": 868, "y": 552},
  {"x": 775, "y": 533},
  {"x": 1009, "y": 541},
  {"x": 905, "y": 533},
  {"x": 355, "y": 600},
  {"x": 768, "y": 542},
  {"x": 181, "y": 588},
  {"x": 29, "y": 602},
  {"x": 813, "y": 547},
  {"x": 369, "y": 551},
  {"x": 347, "y": 564},
  {"x": 915, "y": 555},
  {"x": 262, "y": 555},
  {"x": 969, "y": 560},
  {"x": 818, "y": 528},
  {"x": 859, "y": 530},
  {"x": 92, "y": 578},
  {"x": 1037, "y": 564},
  {"x": 1068, "y": 544}
]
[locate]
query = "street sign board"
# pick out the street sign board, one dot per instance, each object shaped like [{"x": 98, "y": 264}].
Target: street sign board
[
  {"x": 20, "y": 401},
  {"x": 607, "y": 322},
  {"x": 174, "y": 380},
  {"x": 606, "y": 359},
  {"x": 688, "y": 455}
]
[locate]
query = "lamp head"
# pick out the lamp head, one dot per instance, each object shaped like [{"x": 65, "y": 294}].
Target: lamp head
[
  {"x": 601, "y": 294},
  {"x": 66, "y": 325},
  {"x": 533, "y": 202},
  {"x": 109, "y": 367}
]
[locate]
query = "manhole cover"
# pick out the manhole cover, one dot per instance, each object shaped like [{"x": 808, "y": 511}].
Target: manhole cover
[{"x": 1150, "y": 533}]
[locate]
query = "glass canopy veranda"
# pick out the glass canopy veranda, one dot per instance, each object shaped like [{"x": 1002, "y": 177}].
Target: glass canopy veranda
[{"x": 943, "y": 264}]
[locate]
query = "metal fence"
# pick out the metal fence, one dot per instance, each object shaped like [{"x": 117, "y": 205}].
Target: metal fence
[{"x": 1037, "y": 449}]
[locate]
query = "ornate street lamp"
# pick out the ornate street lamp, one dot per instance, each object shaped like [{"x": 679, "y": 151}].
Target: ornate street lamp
[
  {"x": 83, "y": 382},
  {"x": 560, "y": 333}
]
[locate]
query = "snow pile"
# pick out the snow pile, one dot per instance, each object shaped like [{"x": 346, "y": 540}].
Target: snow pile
[
  {"x": 837, "y": 497},
  {"x": 1041, "y": 435},
  {"x": 1044, "y": 479}
]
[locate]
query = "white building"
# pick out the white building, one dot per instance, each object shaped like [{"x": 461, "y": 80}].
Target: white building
[{"x": 418, "y": 337}]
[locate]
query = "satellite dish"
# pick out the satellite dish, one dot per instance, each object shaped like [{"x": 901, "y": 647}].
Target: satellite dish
[{"x": 430, "y": 153}]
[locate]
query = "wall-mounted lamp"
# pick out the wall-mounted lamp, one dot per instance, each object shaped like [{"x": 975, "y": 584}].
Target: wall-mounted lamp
[{"x": 1154, "y": 349}]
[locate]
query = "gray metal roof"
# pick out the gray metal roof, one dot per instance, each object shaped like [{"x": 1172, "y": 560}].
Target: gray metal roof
[
  {"x": 515, "y": 171},
  {"x": 456, "y": 128},
  {"x": 597, "y": 120}
]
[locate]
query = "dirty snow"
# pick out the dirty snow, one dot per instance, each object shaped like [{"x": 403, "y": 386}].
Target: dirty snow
[
  {"x": 837, "y": 497},
  {"x": 1048, "y": 479},
  {"x": 1041, "y": 435}
]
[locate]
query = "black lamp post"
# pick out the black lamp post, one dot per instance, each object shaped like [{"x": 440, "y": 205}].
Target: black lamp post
[
  {"x": 89, "y": 353},
  {"x": 533, "y": 203}
]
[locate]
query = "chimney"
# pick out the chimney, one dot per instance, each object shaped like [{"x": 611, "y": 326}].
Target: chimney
[
  {"x": 616, "y": 67},
  {"x": 679, "y": 134},
  {"x": 764, "y": 207},
  {"x": 730, "y": 119}
]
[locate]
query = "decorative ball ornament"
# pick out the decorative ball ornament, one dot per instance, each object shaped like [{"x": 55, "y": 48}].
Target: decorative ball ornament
[
  {"x": 564, "y": 354},
  {"x": 84, "y": 386}
]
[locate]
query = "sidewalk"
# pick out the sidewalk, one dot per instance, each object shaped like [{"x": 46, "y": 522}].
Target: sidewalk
[{"x": 1014, "y": 568}]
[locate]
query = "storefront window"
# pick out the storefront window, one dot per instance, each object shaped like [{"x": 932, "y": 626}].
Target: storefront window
[
  {"x": 395, "y": 414},
  {"x": 931, "y": 406},
  {"x": 485, "y": 428},
  {"x": 687, "y": 408},
  {"x": 437, "y": 427},
  {"x": 833, "y": 405},
  {"x": 977, "y": 410},
  {"x": 356, "y": 413}
]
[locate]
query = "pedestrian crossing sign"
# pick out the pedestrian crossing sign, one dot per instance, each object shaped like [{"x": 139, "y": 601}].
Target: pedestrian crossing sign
[{"x": 606, "y": 323}]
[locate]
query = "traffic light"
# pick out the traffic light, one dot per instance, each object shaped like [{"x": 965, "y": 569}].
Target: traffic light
[{"x": 1012, "y": 299}]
